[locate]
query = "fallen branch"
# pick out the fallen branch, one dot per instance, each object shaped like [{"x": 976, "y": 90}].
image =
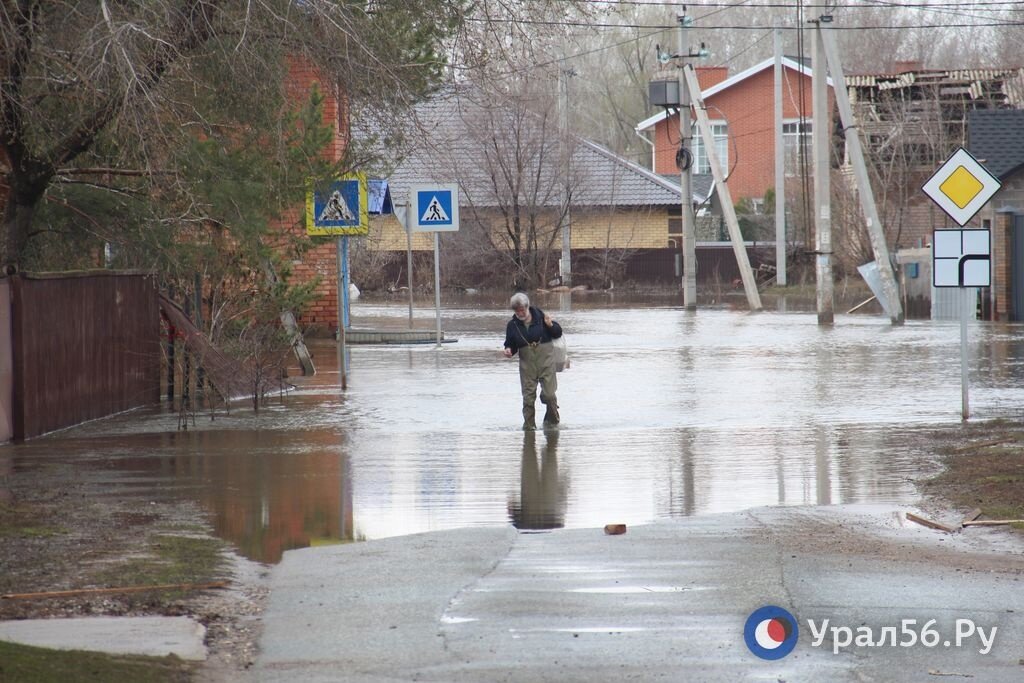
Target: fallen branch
[{"x": 121, "y": 589}]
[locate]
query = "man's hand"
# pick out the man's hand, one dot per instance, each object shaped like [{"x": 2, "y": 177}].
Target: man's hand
[
  {"x": 507, "y": 352},
  {"x": 548, "y": 320}
]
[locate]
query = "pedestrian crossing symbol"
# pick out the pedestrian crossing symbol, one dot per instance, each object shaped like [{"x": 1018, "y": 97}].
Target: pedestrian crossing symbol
[
  {"x": 436, "y": 208},
  {"x": 435, "y": 213},
  {"x": 339, "y": 207}
]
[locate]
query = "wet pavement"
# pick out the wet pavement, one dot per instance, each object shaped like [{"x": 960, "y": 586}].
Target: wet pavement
[
  {"x": 666, "y": 414},
  {"x": 665, "y": 601}
]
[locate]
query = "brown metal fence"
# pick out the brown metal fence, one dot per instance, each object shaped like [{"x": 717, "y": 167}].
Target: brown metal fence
[{"x": 83, "y": 346}]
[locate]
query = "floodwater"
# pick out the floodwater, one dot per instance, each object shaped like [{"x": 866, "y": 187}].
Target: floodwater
[{"x": 665, "y": 414}]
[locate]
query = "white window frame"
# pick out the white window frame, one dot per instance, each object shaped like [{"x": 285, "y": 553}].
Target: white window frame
[
  {"x": 720, "y": 131},
  {"x": 791, "y": 145}
]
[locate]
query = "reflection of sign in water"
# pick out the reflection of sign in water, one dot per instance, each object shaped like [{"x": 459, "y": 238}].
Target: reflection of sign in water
[
  {"x": 961, "y": 186},
  {"x": 435, "y": 208},
  {"x": 961, "y": 258},
  {"x": 339, "y": 208}
]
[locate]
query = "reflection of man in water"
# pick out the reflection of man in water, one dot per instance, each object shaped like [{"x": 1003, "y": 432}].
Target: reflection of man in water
[{"x": 542, "y": 493}]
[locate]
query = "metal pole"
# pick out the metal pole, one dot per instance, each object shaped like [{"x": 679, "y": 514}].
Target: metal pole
[
  {"x": 341, "y": 314},
  {"x": 822, "y": 186},
  {"x": 403, "y": 217},
  {"x": 780, "y": 170},
  {"x": 345, "y": 282},
  {"x": 686, "y": 200},
  {"x": 437, "y": 285},
  {"x": 965, "y": 306}
]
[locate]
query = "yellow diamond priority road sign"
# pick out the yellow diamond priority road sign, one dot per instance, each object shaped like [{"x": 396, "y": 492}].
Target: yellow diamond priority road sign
[{"x": 961, "y": 186}]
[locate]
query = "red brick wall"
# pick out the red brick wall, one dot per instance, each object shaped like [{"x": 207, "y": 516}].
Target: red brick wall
[
  {"x": 320, "y": 261},
  {"x": 749, "y": 108}
]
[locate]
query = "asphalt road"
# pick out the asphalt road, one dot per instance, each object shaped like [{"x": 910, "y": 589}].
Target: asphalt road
[{"x": 666, "y": 601}]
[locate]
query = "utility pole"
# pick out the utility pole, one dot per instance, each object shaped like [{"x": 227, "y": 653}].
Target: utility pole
[
  {"x": 780, "y": 170},
  {"x": 860, "y": 173},
  {"x": 822, "y": 187},
  {"x": 565, "y": 265},
  {"x": 722, "y": 189},
  {"x": 686, "y": 168}
]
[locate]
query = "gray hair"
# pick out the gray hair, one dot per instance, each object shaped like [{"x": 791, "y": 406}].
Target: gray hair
[{"x": 519, "y": 299}]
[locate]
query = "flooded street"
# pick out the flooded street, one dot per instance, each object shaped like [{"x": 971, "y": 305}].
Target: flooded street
[{"x": 665, "y": 414}]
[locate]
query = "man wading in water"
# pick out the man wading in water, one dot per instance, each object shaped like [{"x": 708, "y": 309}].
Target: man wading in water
[{"x": 529, "y": 333}]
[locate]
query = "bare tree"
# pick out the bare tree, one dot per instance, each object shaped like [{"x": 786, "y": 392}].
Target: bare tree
[
  {"x": 520, "y": 196},
  {"x": 107, "y": 91}
]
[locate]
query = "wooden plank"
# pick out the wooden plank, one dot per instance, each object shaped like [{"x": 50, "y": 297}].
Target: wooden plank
[
  {"x": 971, "y": 516},
  {"x": 930, "y": 523},
  {"x": 993, "y": 522}
]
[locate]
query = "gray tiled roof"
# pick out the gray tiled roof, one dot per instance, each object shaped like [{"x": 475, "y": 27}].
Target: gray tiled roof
[
  {"x": 997, "y": 139},
  {"x": 457, "y": 139}
]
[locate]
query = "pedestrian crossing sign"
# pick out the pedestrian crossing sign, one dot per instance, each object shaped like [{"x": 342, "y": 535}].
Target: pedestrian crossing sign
[
  {"x": 435, "y": 208},
  {"x": 338, "y": 207}
]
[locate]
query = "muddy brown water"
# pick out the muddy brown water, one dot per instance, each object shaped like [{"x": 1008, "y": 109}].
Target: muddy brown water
[{"x": 665, "y": 413}]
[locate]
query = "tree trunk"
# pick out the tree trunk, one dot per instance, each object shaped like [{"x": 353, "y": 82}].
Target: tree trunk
[{"x": 17, "y": 223}]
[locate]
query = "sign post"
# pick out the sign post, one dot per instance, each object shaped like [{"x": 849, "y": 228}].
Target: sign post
[
  {"x": 434, "y": 208},
  {"x": 340, "y": 208},
  {"x": 962, "y": 258}
]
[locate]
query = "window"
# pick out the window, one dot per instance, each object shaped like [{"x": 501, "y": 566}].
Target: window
[
  {"x": 792, "y": 133},
  {"x": 720, "y": 131}
]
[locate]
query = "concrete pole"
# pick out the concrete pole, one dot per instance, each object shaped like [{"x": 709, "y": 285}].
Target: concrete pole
[
  {"x": 822, "y": 187},
  {"x": 565, "y": 265},
  {"x": 686, "y": 201},
  {"x": 860, "y": 174},
  {"x": 780, "y": 170},
  {"x": 724, "y": 195}
]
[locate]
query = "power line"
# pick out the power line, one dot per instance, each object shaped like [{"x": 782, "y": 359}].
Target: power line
[{"x": 737, "y": 27}]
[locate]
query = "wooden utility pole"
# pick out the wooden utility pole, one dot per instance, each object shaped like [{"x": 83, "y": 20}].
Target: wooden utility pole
[
  {"x": 821, "y": 149},
  {"x": 722, "y": 188}
]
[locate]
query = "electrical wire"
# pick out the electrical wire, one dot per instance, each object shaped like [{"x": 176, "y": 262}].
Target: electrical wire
[{"x": 741, "y": 27}]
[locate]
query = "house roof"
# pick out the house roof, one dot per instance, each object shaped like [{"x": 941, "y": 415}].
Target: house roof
[
  {"x": 730, "y": 82},
  {"x": 459, "y": 140},
  {"x": 996, "y": 139}
]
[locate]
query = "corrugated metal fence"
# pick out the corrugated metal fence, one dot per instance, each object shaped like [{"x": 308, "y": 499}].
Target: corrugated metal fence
[{"x": 81, "y": 346}]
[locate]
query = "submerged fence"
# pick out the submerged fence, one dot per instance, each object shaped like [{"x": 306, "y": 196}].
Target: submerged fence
[{"x": 75, "y": 347}]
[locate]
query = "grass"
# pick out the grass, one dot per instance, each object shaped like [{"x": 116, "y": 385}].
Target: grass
[
  {"x": 40, "y": 665},
  {"x": 171, "y": 559},
  {"x": 986, "y": 471}
]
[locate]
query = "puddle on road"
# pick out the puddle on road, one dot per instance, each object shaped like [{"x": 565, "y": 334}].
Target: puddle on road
[{"x": 666, "y": 414}]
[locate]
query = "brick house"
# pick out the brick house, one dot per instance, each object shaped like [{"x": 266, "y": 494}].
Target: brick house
[
  {"x": 321, "y": 260},
  {"x": 996, "y": 139},
  {"x": 742, "y": 115},
  {"x": 619, "y": 210}
]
